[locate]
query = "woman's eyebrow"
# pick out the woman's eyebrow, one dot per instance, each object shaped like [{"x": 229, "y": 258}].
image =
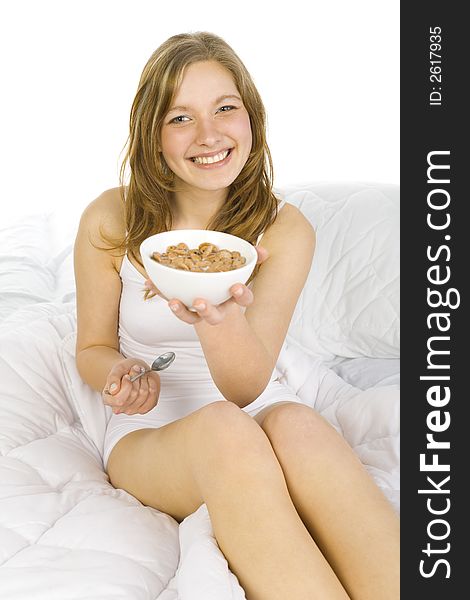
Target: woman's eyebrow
[{"x": 216, "y": 101}]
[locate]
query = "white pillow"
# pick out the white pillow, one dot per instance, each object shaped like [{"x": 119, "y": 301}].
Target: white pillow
[
  {"x": 34, "y": 268},
  {"x": 350, "y": 303}
]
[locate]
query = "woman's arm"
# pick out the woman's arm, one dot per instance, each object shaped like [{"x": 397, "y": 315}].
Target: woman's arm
[
  {"x": 242, "y": 347},
  {"x": 98, "y": 291},
  {"x": 98, "y": 284},
  {"x": 239, "y": 362}
]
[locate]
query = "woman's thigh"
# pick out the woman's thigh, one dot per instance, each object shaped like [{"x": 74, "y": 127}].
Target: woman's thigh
[
  {"x": 151, "y": 465},
  {"x": 167, "y": 467}
]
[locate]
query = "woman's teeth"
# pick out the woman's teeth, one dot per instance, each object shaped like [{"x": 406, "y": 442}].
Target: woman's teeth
[{"x": 208, "y": 160}]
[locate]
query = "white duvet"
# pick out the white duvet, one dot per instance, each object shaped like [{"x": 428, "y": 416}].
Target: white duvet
[{"x": 65, "y": 532}]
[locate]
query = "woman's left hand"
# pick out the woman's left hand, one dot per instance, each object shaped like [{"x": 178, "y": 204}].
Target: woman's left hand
[{"x": 241, "y": 295}]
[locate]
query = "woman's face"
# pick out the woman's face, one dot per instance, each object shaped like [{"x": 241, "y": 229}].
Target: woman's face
[{"x": 206, "y": 135}]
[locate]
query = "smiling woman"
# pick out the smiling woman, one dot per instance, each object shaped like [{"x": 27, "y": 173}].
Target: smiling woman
[
  {"x": 281, "y": 486},
  {"x": 196, "y": 100}
]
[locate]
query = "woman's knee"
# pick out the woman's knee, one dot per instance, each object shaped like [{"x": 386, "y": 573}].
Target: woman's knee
[
  {"x": 229, "y": 439},
  {"x": 232, "y": 453},
  {"x": 293, "y": 424}
]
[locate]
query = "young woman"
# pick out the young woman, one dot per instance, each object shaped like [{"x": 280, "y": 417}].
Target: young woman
[{"x": 292, "y": 508}]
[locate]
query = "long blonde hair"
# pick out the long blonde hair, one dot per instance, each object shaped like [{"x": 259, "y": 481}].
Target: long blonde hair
[{"x": 250, "y": 206}]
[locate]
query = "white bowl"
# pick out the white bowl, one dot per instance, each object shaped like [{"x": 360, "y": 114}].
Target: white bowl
[{"x": 189, "y": 285}]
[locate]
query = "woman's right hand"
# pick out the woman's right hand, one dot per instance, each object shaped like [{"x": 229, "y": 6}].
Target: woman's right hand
[{"x": 130, "y": 398}]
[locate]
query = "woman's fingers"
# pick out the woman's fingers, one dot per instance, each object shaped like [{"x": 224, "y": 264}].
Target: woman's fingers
[
  {"x": 183, "y": 313},
  {"x": 137, "y": 397},
  {"x": 204, "y": 310},
  {"x": 124, "y": 391},
  {"x": 117, "y": 399},
  {"x": 153, "y": 384},
  {"x": 146, "y": 399},
  {"x": 129, "y": 397},
  {"x": 241, "y": 294},
  {"x": 207, "y": 311},
  {"x": 114, "y": 379},
  {"x": 115, "y": 376}
]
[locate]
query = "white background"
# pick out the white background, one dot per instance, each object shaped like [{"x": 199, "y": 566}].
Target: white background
[{"x": 328, "y": 72}]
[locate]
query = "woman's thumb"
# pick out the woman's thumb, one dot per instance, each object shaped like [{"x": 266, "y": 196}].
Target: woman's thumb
[{"x": 113, "y": 388}]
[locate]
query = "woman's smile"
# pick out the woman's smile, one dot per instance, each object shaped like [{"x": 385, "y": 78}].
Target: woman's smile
[{"x": 213, "y": 160}]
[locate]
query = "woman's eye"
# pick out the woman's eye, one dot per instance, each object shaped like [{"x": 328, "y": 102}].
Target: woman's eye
[
  {"x": 184, "y": 119},
  {"x": 179, "y": 119},
  {"x": 227, "y": 108}
]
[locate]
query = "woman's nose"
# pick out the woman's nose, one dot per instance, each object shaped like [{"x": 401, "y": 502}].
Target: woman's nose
[{"x": 207, "y": 133}]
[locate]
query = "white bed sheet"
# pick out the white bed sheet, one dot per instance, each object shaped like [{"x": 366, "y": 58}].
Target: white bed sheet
[{"x": 65, "y": 531}]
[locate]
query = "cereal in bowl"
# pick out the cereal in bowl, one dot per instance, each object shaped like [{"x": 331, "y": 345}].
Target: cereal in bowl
[{"x": 206, "y": 258}]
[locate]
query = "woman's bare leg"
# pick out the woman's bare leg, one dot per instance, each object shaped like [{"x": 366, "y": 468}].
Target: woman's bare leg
[
  {"x": 219, "y": 455},
  {"x": 346, "y": 513}
]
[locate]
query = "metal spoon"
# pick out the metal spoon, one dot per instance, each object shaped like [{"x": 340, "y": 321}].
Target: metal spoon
[{"x": 159, "y": 364}]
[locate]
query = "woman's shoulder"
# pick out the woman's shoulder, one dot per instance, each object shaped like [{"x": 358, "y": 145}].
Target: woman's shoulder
[
  {"x": 290, "y": 226},
  {"x": 109, "y": 203},
  {"x": 290, "y": 213},
  {"x": 104, "y": 217}
]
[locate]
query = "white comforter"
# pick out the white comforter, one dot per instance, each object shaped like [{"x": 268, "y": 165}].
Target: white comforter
[{"x": 65, "y": 532}]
